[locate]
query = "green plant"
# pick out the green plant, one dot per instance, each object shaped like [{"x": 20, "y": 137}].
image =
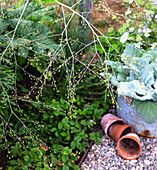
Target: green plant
[
  {"x": 137, "y": 78},
  {"x": 28, "y": 40},
  {"x": 52, "y": 95},
  {"x": 60, "y": 137},
  {"x": 140, "y": 25}
]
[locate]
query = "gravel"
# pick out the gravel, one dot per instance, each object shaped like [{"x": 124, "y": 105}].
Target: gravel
[{"x": 105, "y": 157}]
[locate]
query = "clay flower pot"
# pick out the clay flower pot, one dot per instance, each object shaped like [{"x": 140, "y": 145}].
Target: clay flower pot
[
  {"x": 116, "y": 131},
  {"x": 108, "y": 120},
  {"x": 129, "y": 147},
  {"x": 128, "y": 143}
]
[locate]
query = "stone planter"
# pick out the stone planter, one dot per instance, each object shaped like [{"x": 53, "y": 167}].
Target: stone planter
[{"x": 134, "y": 119}]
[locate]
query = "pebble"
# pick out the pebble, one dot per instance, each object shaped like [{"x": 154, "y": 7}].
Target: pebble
[
  {"x": 106, "y": 157},
  {"x": 147, "y": 162},
  {"x": 133, "y": 161}
]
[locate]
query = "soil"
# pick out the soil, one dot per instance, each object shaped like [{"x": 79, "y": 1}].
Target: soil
[
  {"x": 3, "y": 159},
  {"x": 108, "y": 15}
]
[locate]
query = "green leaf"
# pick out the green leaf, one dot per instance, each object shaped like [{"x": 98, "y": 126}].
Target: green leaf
[
  {"x": 53, "y": 129},
  {"x": 23, "y": 51},
  {"x": 65, "y": 167},
  {"x": 21, "y": 60},
  {"x": 45, "y": 115},
  {"x": 19, "y": 76},
  {"x": 76, "y": 167},
  {"x": 23, "y": 89},
  {"x": 60, "y": 125},
  {"x": 65, "y": 120},
  {"x": 72, "y": 122},
  {"x": 131, "y": 51},
  {"x": 46, "y": 167},
  {"x": 63, "y": 133},
  {"x": 134, "y": 89},
  {"x": 26, "y": 158},
  {"x": 65, "y": 158},
  {"x": 110, "y": 30},
  {"x": 79, "y": 145},
  {"x": 68, "y": 137},
  {"x": 77, "y": 138},
  {"x": 73, "y": 144},
  {"x": 147, "y": 109},
  {"x": 85, "y": 144},
  {"x": 13, "y": 162},
  {"x": 3, "y": 25},
  {"x": 66, "y": 126},
  {"x": 67, "y": 150},
  {"x": 83, "y": 122}
]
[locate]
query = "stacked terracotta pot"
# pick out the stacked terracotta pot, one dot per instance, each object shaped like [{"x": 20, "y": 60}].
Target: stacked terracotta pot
[{"x": 128, "y": 142}]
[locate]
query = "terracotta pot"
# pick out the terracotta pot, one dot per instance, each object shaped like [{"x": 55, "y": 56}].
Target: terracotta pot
[
  {"x": 129, "y": 147},
  {"x": 116, "y": 131},
  {"x": 108, "y": 120}
]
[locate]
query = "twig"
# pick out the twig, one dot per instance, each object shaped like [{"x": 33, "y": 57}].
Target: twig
[{"x": 90, "y": 145}]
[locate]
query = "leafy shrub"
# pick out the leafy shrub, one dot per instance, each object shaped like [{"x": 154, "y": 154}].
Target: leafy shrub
[
  {"x": 43, "y": 129},
  {"x": 65, "y": 135}
]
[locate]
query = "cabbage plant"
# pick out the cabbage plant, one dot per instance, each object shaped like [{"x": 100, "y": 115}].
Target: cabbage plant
[{"x": 136, "y": 77}]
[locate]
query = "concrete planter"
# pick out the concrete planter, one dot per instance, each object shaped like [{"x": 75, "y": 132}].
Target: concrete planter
[{"x": 134, "y": 119}]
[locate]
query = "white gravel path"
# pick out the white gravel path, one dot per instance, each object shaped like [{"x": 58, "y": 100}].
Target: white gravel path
[{"x": 105, "y": 157}]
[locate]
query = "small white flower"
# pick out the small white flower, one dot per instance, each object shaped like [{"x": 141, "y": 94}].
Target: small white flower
[
  {"x": 140, "y": 30},
  {"x": 51, "y": 165},
  {"x": 131, "y": 29},
  {"x": 146, "y": 32},
  {"x": 129, "y": 1},
  {"x": 134, "y": 15},
  {"x": 153, "y": 45},
  {"x": 102, "y": 74},
  {"x": 137, "y": 45},
  {"x": 128, "y": 12},
  {"x": 128, "y": 20},
  {"x": 124, "y": 37},
  {"x": 91, "y": 121}
]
